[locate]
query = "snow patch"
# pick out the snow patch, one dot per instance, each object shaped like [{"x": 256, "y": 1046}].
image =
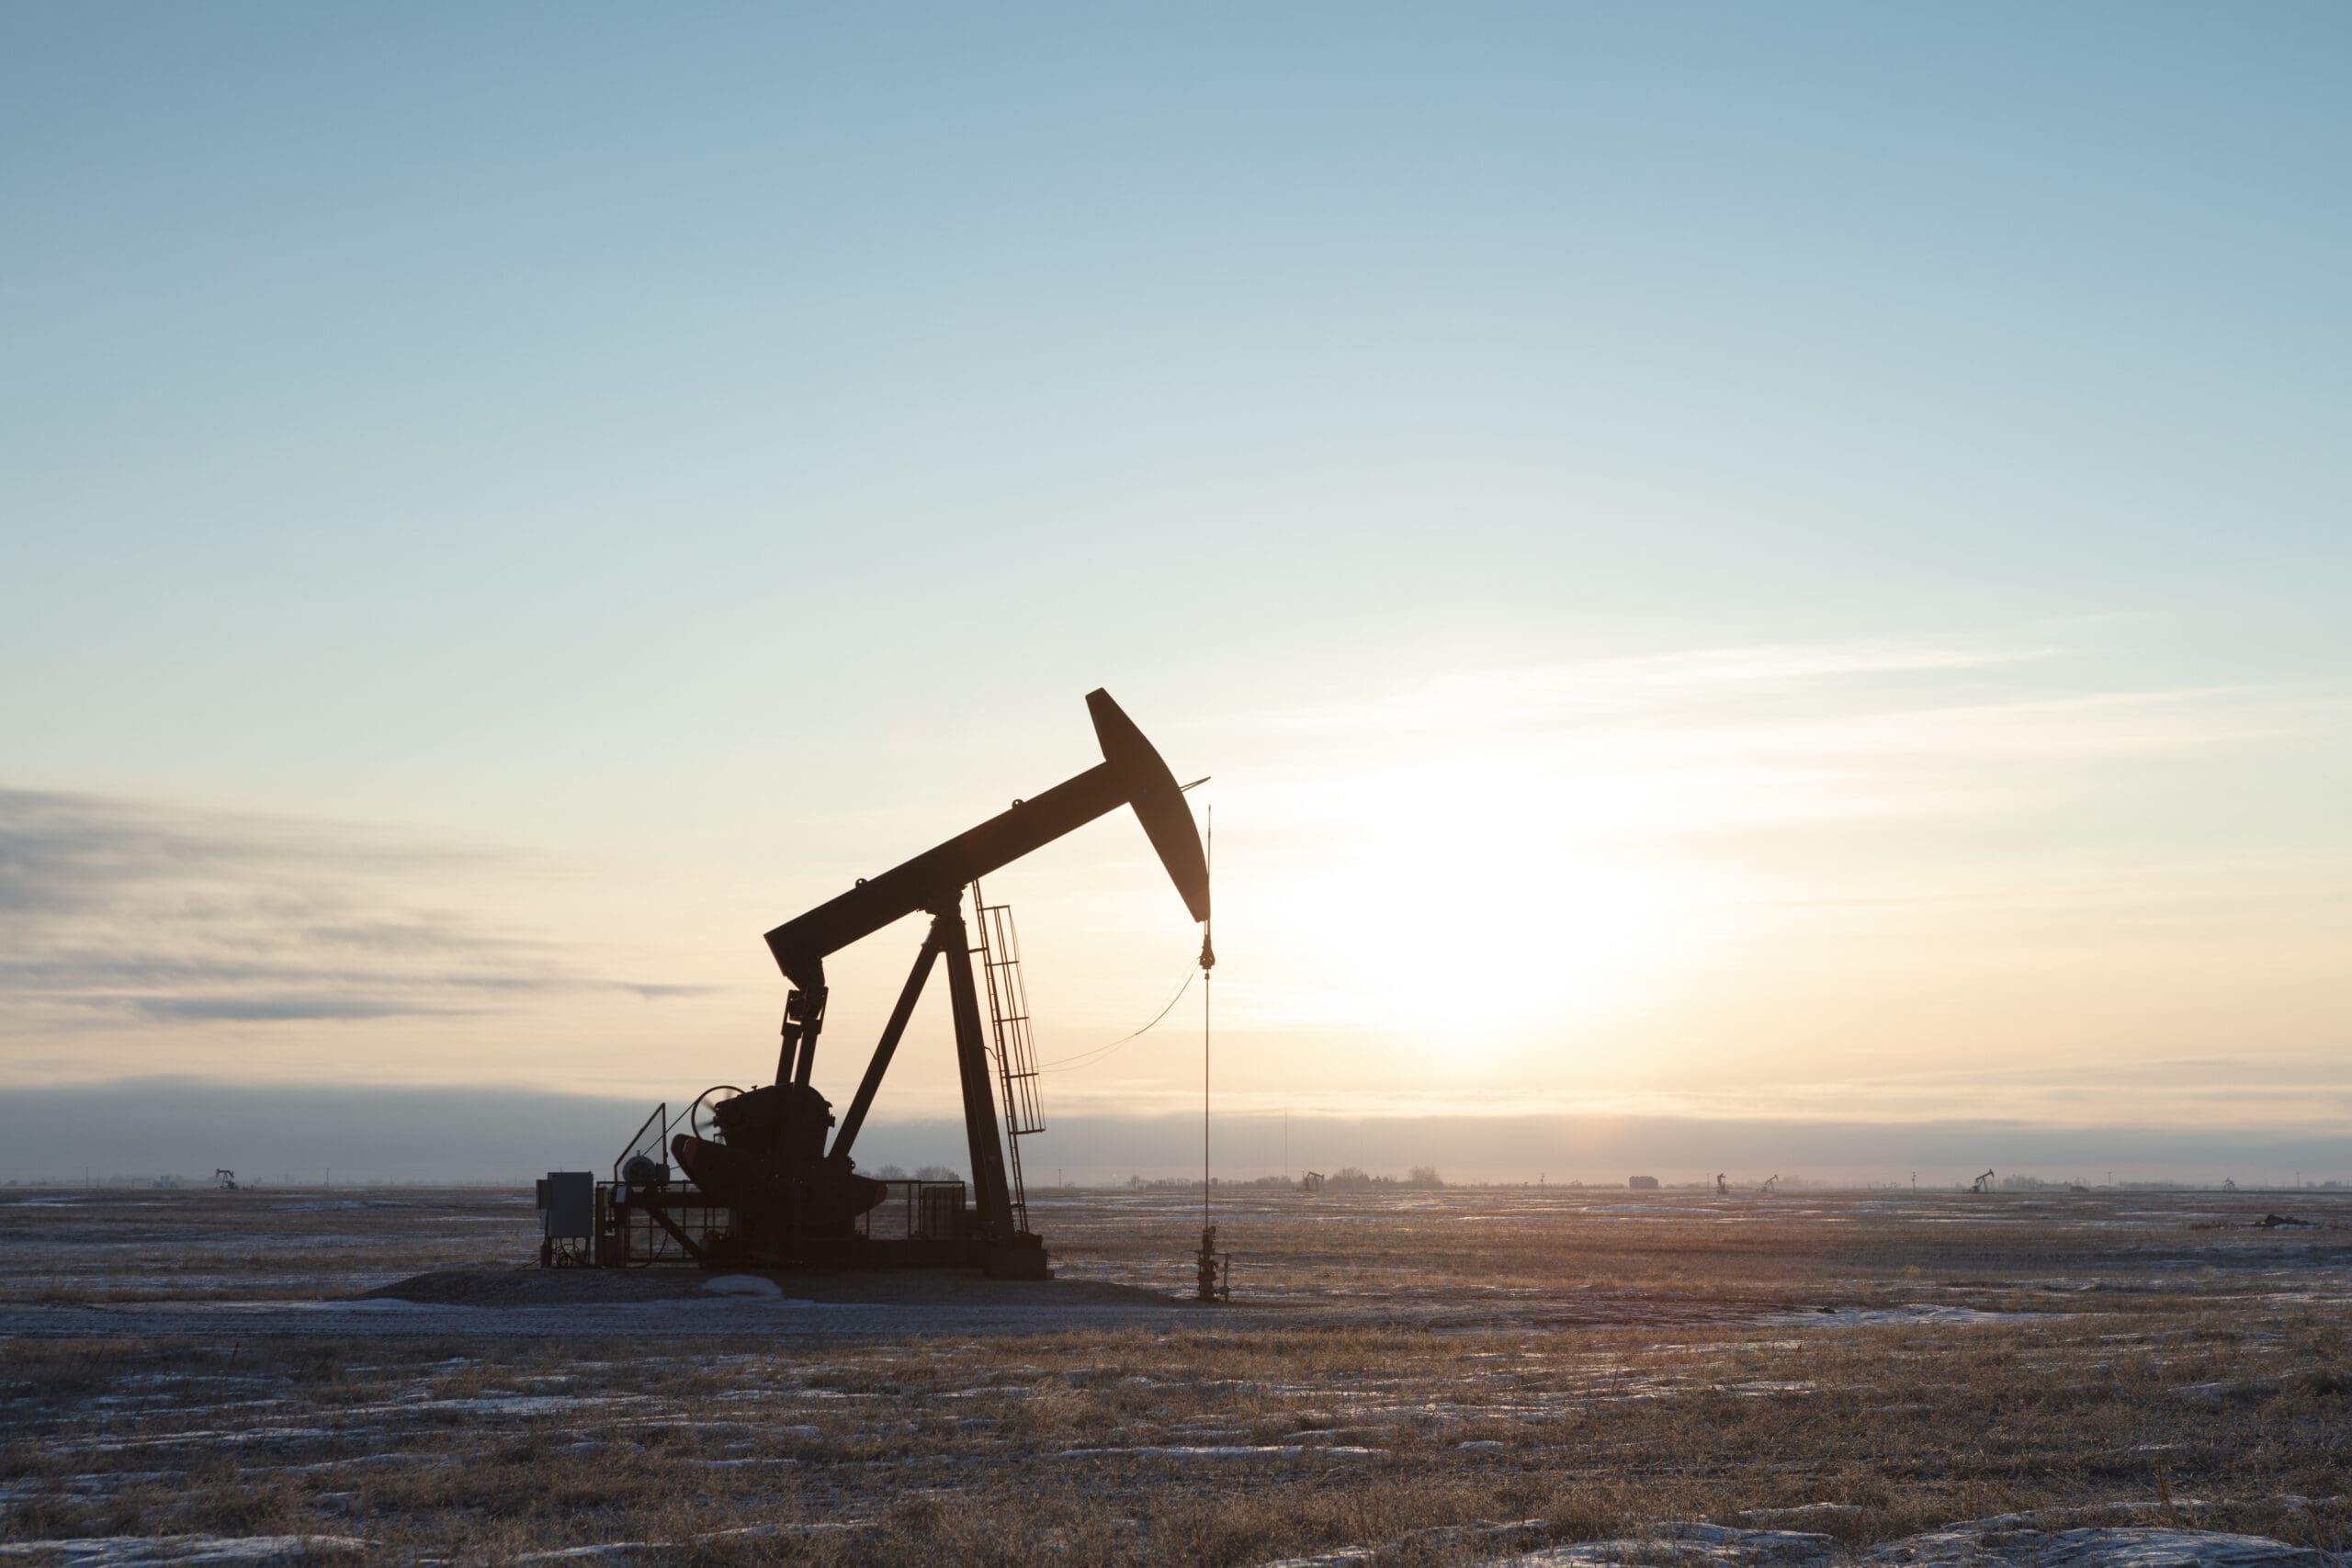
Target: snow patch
[
  {"x": 1215, "y": 1451},
  {"x": 129, "y": 1551},
  {"x": 609, "y": 1551},
  {"x": 379, "y": 1303},
  {"x": 750, "y": 1288},
  {"x": 2005, "y": 1542},
  {"x": 1915, "y": 1316}
]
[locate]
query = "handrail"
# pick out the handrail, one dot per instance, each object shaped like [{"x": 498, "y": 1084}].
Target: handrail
[{"x": 660, "y": 1118}]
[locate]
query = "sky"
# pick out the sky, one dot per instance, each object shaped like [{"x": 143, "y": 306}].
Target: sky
[{"x": 1724, "y": 563}]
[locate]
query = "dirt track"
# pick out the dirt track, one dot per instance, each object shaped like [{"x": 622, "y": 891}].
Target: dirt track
[
  {"x": 599, "y": 1304},
  {"x": 679, "y": 1319}
]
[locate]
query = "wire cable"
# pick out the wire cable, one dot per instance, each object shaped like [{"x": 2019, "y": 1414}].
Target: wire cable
[
  {"x": 1209, "y": 961},
  {"x": 1087, "y": 1058}
]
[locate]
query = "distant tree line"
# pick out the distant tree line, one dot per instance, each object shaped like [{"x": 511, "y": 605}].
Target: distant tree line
[{"x": 1347, "y": 1178}]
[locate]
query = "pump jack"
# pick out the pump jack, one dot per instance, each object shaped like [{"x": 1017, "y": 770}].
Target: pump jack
[{"x": 792, "y": 1199}]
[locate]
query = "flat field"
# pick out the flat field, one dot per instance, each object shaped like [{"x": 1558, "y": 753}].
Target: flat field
[{"x": 1529, "y": 1375}]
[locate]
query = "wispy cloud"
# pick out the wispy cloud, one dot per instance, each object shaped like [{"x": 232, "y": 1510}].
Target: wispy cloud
[
  {"x": 1642, "y": 687},
  {"x": 2255, "y": 1090},
  {"x": 1738, "y": 737},
  {"x": 116, "y": 911},
  {"x": 2258, "y": 1092},
  {"x": 273, "y": 1009}
]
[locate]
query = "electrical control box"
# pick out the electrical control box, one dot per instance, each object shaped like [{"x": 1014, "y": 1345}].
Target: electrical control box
[{"x": 568, "y": 1204}]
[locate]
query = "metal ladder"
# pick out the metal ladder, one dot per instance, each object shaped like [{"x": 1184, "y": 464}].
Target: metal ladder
[{"x": 1016, "y": 1054}]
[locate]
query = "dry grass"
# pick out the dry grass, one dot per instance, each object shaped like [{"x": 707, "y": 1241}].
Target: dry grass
[{"x": 1640, "y": 1366}]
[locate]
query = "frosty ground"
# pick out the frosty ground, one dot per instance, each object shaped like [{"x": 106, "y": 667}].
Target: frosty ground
[{"x": 1466, "y": 1375}]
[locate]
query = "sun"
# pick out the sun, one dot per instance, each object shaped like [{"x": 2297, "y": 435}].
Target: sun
[{"x": 1461, "y": 904}]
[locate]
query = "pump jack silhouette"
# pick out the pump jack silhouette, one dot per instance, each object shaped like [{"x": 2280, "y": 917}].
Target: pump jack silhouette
[{"x": 791, "y": 1194}]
